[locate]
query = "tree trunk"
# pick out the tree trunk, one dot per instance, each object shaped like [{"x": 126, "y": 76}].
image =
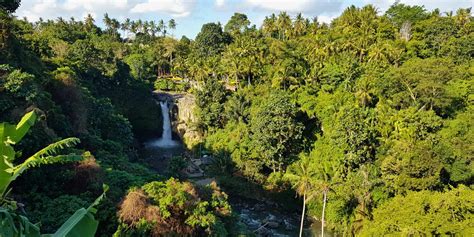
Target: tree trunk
[
  {"x": 322, "y": 217},
  {"x": 302, "y": 214}
]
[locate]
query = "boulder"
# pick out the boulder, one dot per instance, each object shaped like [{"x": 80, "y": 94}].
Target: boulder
[{"x": 273, "y": 224}]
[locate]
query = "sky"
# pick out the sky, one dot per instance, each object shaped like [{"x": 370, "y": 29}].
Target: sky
[{"x": 190, "y": 15}]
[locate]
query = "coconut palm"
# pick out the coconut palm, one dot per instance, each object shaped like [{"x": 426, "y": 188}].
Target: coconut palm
[
  {"x": 125, "y": 26},
  {"x": 269, "y": 25},
  {"x": 301, "y": 176},
  {"x": 153, "y": 28},
  {"x": 299, "y": 25},
  {"x": 162, "y": 27},
  {"x": 171, "y": 24},
  {"x": 283, "y": 24},
  {"x": 324, "y": 183}
]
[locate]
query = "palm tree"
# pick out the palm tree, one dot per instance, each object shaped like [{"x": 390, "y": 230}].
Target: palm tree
[
  {"x": 301, "y": 176},
  {"x": 146, "y": 27},
  {"x": 153, "y": 28},
  {"x": 171, "y": 24},
  {"x": 115, "y": 25},
  {"x": 313, "y": 25},
  {"x": 463, "y": 17},
  {"x": 162, "y": 27},
  {"x": 268, "y": 26},
  {"x": 139, "y": 26},
  {"x": 89, "y": 23},
  {"x": 169, "y": 45},
  {"x": 324, "y": 182},
  {"x": 125, "y": 27},
  {"x": 284, "y": 25},
  {"x": 299, "y": 26},
  {"x": 133, "y": 27},
  {"x": 107, "y": 21},
  {"x": 324, "y": 187}
]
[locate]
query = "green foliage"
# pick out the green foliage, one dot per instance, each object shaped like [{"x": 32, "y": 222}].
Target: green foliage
[
  {"x": 175, "y": 208},
  {"x": 380, "y": 104},
  {"x": 12, "y": 224},
  {"x": 10, "y": 135},
  {"x": 424, "y": 213},
  {"x": 210, "y": 101},
  {"x": 237, "y": 24},
  {"x": 50, "y": 220},
  {"x": 400, "y": 13},
  {"x": 10, "y": 5},
  {"x": 176, "y": 166},
  {"x": 81, "y": 223},
  {"x": 20, "y": 84},
  {"x": 169, "y": 85},
  {"x": 211, "y": 40},
  {"x": 275, "y": 132},
  {"x": 423, "y": 84},
  {"x": 456, "y": 148}
]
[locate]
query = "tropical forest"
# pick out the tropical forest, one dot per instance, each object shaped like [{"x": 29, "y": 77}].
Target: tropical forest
[{"x": 291, "y": 126}]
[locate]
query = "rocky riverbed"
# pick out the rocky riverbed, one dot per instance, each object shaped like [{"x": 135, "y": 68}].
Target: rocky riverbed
[{"x": 268, "y": 219}]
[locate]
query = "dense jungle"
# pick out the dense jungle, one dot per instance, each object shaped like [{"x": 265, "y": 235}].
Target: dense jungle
[{"x": 358, "y": 127}]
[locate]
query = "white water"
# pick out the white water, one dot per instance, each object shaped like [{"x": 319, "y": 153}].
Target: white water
[{"x": 166, "y": 140}]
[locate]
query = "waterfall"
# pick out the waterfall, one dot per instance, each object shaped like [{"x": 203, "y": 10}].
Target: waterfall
[
  {"x": 166, "y": 140},
  {"x": 165, "y": 114}
]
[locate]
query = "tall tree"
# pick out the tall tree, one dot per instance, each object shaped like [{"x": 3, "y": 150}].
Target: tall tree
[
  {"x": 211, "y": 40},
  {"x": 10, "y": 6},
  {"x": 172, "y": 24},
  {"x": 299, "y": 25},
  {"x": 276, "y": 134},
  {"x": 301, "y": 176},
  {"x": 162, "y": 27},
  {"x": 283, "y": 23},
  {"x": 238, "y": 23},
  {"x": 269, "y": 26}
]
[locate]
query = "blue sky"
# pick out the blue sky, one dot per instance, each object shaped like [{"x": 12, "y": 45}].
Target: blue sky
[{"x": 190, "y": 15}]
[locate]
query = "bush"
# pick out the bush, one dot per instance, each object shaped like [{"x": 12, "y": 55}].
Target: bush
[{"x": 173, "y": 208}]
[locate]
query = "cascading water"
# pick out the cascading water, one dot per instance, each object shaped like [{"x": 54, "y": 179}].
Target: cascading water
[
  {"x": 165, "y": 113},
  {"x": 166, "y": 140}
]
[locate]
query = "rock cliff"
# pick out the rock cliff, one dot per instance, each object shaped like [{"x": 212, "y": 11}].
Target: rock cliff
[{"x": 183, "y": 118}]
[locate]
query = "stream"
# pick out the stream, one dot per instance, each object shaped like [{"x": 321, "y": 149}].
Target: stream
[
  {"x": 264, "y": 218},
  {"x": 269, "y": 219},
  {"x": 276, "y": 221}
]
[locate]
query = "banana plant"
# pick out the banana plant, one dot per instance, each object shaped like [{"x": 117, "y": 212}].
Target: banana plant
[
  {"x": 12, "y": 134},
  {"x": 81, "y": 223}
]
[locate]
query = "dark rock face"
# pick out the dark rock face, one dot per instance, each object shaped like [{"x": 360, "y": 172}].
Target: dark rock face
[{"x": 145, "y": 116}]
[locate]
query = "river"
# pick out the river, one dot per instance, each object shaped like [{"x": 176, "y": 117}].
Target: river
[{"x": 264, "y": 218}]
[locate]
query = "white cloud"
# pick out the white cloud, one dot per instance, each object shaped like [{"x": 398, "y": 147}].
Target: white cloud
[
  {"x": 177, "y": 8},
  {"x": 210, "y": 10},
  {"x": 326, "y": 19},
  {"x": 50, "y": 9},
  {"x": 305, "y": 6},
  {"x": 220, "y": 3},
  {"x": 92, "y": 5},
  {"x": 444, "y": 5}
]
